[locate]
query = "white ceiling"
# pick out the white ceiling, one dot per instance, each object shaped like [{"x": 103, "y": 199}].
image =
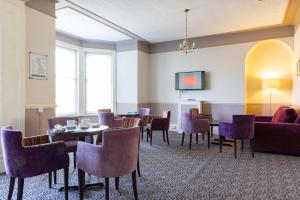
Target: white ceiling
[
  {"x": 164, "y": 20},
  {"x": 74, "y": 23}
]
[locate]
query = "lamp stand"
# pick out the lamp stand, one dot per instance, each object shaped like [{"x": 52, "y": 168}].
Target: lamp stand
[{"x": 270, "y": 103}]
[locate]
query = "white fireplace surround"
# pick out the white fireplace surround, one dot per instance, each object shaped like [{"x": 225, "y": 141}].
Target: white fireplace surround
[{"x": 185, "y": 106}]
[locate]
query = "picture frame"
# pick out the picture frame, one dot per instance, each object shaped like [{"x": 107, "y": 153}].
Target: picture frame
[{"x": 38, "y": 66}]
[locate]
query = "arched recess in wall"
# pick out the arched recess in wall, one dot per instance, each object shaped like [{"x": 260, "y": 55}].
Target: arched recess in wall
[{"x": 269, "y": 62}]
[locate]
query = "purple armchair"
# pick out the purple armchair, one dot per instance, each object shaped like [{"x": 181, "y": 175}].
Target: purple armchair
[
  {"x": 117, "y": 156},
  {"x": 26, "y": 161},
  {"x": 108, "y": 119},
  {"x": 160, "y": 124},
  {"x": 190, "y": 125},
  {"x": 144, "y": 115},
  {"x": 70, "y": 141},
  {"x": 241, "y": 128}
]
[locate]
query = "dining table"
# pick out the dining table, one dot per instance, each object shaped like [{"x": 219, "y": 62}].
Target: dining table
[{"x": 81, "y": 133}]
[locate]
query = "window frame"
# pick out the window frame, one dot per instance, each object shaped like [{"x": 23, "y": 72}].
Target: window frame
[
  {"x": 77, "y": 50},
  {"x": 80, "y": 90}
]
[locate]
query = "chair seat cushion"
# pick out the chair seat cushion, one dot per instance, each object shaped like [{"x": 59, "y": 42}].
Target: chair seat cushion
[
  {"x": 284, "y": 114},
  {"x": 71, "y": 146}
]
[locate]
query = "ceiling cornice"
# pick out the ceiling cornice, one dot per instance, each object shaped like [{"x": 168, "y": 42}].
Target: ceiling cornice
[{"x": 69, "y": 4}]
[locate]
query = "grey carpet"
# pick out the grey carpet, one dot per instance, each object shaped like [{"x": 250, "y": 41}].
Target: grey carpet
[{"x": 174, "y": 172}]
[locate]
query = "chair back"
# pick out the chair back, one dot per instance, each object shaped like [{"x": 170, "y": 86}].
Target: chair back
[
  {"x": 104, "y": 110},
  {"x": 120, "y": 151},
  {"x": 143, "y": 112},
  {"x": 167, "y": 115},
  {"x": 12, "y": 151},
  {"x": 61, "y": 121},
  {"x": 186, "y": 124},
  {"x": 106, "y": 118},
  {"x": 129, "y": 122},
  {"x": 194, "y": 112},
  {"x": 243, "y": 126}
]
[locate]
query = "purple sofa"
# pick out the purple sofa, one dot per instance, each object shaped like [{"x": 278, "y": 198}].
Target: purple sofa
[{"x": 278, "y": 134}]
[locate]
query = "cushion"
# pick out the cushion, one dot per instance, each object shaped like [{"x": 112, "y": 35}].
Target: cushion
[
  {"x": 297, "y": 120},
  {"x": 284, "y": 114}
]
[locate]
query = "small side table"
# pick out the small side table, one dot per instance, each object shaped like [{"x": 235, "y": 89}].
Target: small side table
[{"x": 216, "y": 123}]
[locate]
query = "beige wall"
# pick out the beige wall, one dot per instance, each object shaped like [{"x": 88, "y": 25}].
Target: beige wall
[{"x": 40, "y": 39}]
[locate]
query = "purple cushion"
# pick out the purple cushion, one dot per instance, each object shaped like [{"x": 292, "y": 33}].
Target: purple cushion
[
  {"x": 285, "y": 114},
  {"x": 297, "y": 120}
]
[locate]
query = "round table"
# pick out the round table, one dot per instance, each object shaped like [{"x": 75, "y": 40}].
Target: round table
[{"x": 81, "y": 134}]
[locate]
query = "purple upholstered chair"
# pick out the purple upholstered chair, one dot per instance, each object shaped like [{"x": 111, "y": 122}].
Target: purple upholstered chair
[
  {"x": 117, "y": 156},
  {"x": 144, "y": 113},
  {"x": 191, "y": 125},
  {"x": 108, "y": 119},
  {"x": 70, "y": 141},
  {"x": 241, "y": 128},
  {"x": 31, "y": 160},
  {"x": 160, "y": 124}
]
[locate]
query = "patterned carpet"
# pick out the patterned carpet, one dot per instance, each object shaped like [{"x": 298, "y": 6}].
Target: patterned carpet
[{"x": 174, "y": 172}]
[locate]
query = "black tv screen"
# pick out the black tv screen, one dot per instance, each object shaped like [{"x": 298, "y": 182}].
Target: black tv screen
[{"x": 190, "y": 80}]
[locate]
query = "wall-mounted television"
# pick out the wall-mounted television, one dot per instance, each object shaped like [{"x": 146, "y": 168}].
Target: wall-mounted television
[{"x": 190, "y": 80}]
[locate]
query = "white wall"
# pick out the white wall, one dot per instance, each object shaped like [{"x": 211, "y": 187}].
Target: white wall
[
  {"x": 127, "y": 71},
  {"x": 12, "y": 65},
  {"x": 225, "y": 67}
]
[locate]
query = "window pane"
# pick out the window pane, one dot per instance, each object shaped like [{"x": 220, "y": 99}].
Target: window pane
[
  {"x": 98, "y": 82},
  {"x": 65, "y": 80}
]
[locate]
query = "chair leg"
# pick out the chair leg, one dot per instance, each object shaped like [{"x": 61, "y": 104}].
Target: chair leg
[
  {"x": 242, "y": 145},
  {"x": 74, "y": 160},
  {"x": 167, "y": 135},
  {"x": 11, "y": 187},
  {"x": 221, "y": 142},
  {"x": 252, "y": 148},
  {"x": 142, "y": 132},
  {"x": 150, "y": 137},
  {"x": 134, "y": 185},
  {"x": 208, "y": 139},
  {"x": 106, "y": 188},
  {"x": 164, "y": 136},
  {"x": 197, "y": 138},
  {"x": 55, "y": 177},
  {"x": 191, "y": 136},
  {"x": 147, "y": 134},
  {"x": 81, "y": 180},
  {"x": 182, "y": 140},
  {"x": 117, "y": 181},
  {"x": 20, "y": 188},
  {"x": 138, "y": 168},
  {"x": 234, "y": 141},
  {"x": 50, "y": 179},
  {"x": 66, "y": 182}
]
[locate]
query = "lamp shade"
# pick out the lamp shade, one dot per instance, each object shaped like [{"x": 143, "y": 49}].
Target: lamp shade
[{"x": 271, "y": 83}]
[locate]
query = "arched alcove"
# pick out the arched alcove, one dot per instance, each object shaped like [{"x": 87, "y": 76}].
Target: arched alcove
[{"x": 270, "y": 59}]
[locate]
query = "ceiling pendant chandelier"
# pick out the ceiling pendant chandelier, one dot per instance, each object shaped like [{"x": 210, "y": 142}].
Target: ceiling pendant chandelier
[{"x": 184, "y": 46}]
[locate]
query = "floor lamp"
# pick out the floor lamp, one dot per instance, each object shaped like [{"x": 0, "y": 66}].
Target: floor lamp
[{"x": 270, "y": 84}]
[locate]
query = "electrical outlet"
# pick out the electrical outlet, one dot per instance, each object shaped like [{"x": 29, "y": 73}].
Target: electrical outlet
[{"x": 40, "y": 109}]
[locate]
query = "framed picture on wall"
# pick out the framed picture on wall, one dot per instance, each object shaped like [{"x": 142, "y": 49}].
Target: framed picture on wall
[
  {"x": 38, "y": 66},
  {"x": 298, "y": 67}
]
